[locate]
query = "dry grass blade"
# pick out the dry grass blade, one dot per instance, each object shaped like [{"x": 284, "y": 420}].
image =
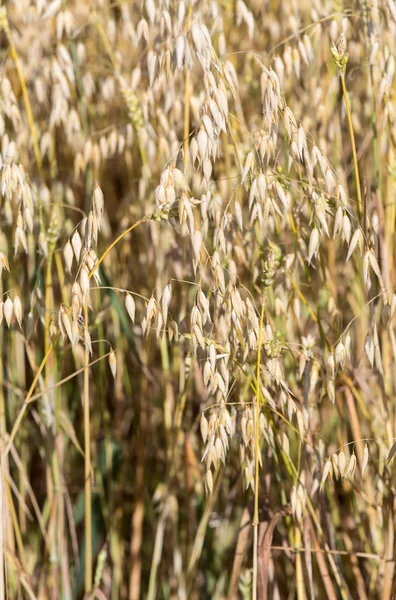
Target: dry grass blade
[
  {"x": 240, "y": 551},
  {"x": 391, "y": 453},
  {"x": 265, "y": 553}
]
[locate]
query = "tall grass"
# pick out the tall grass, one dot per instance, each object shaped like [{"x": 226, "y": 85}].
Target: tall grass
[{"x": 197, "y": 383}]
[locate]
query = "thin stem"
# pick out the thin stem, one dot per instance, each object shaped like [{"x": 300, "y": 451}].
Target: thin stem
[
  {"x": 87, "y": 470},
  {"x": 55, "y": 528},
  {"x": 2, "y": 524},
  {"x": 15, "y": 524},
  {"x": 117, "y": 289},
  {"x": 355, "y": 161},
  {"x": 29, "y": 395},
  {"x": 69, "y": 377},
  {"x": 366, "y": 555},
  {"x": 257, "y": 450},
  {"x": 299, "y": 571},
  {"x": 120, "y": 237}
]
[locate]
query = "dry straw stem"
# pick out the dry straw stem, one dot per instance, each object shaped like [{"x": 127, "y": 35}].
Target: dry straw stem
[
  {"x": 2, "y": 525},
  {"x": 87, "y": 468},
  {"x": 256, "y": 519}
]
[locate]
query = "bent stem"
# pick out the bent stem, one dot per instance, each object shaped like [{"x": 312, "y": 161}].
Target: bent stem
[
  {"x": 118, "y": 239},
  {"x": 29, "y": 395},
  {"x": 257, "y": 450}
]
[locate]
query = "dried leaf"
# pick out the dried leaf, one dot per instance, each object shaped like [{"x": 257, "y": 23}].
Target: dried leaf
[
  {"x": 68, "y": 428},
  {"x": 392, "y": 453}
]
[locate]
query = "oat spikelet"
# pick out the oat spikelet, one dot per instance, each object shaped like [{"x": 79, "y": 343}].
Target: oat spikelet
[
  {"x": 130, "y": 306},
  {"x": 113, "y": 363},
  {"x": 327, "y": 472},
  {"x": 8, "y": 310}
]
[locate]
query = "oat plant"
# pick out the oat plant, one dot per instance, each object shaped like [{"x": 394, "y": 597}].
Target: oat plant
[{"x": 197, "y": 383}]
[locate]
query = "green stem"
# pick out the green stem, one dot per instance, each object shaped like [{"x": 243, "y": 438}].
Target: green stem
[{"x": 355, "y": 161}]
